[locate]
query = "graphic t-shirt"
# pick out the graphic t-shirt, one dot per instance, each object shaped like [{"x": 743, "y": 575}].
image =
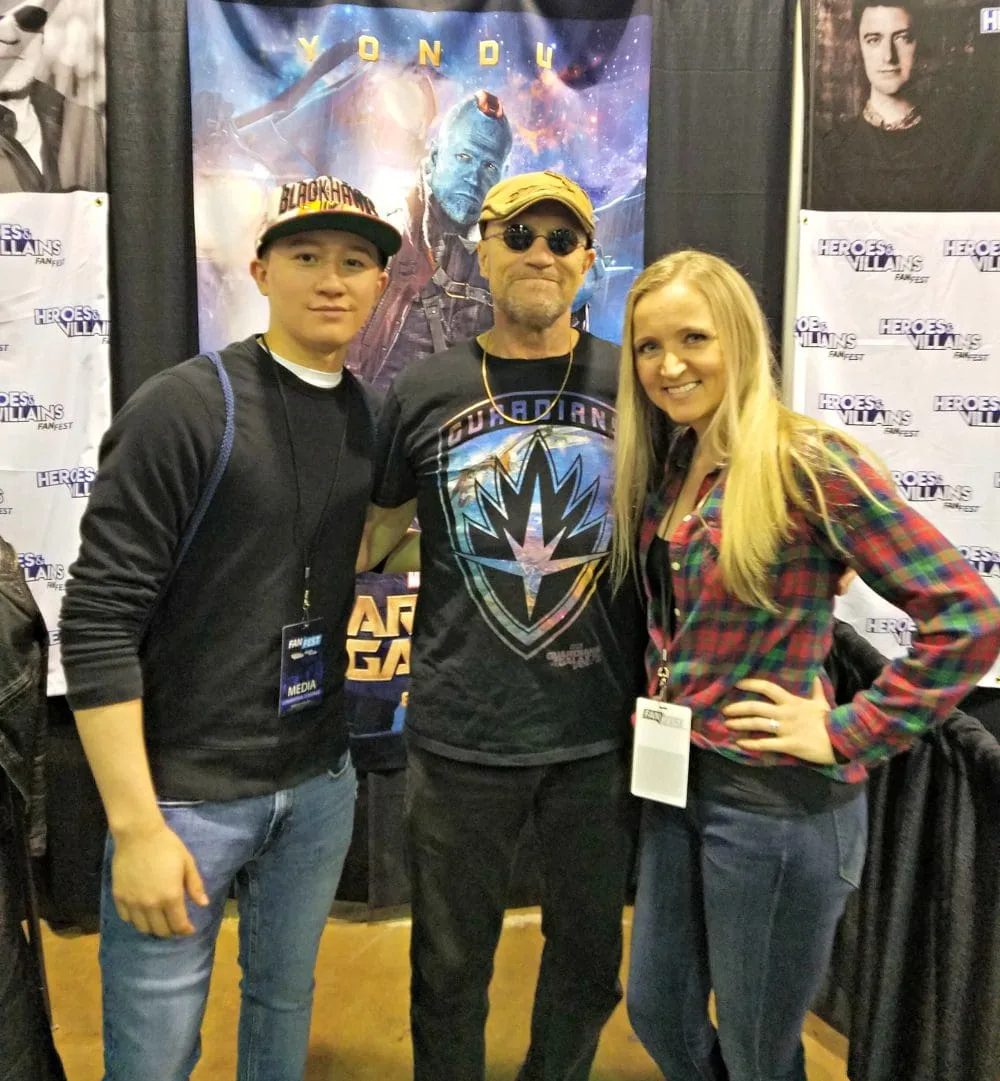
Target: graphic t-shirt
[{"x": 521, "y": 654}]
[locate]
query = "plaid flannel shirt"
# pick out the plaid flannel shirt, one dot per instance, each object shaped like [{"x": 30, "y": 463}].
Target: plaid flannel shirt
[{"x": 720, "y": 640}]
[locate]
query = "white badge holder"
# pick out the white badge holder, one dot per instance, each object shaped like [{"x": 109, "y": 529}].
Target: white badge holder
[{"x": 661, "y": 752}]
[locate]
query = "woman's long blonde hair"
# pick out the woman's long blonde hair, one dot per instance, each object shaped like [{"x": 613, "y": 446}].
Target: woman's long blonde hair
[{"x": 773, "y": 458}]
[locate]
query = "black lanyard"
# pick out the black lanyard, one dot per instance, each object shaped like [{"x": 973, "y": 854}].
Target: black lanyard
[
  {"x": 668, "y": 618},
  {"x": 667, "y": 624},
  {"x": 307, "y": 552}
]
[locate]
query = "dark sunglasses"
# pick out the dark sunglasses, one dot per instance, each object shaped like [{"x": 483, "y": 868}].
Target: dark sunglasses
[
  {"x": 30, "y": 18},
  {"x": 519, "y": 237}
]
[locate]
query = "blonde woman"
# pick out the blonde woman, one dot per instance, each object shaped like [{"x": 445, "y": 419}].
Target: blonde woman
[{"x": 739, "y": 517}]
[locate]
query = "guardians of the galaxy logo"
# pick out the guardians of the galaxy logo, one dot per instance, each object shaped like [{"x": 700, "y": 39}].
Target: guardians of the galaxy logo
[
  {"x": 78, "y": 321},
  {"x": 874, "y": 257},
  {"x": 927, "y": 486},
  {"x": 528, "y": 511},
  {"x": 17, "y": 241},
  {"x": 984, "y": 254},
  {"x": 935, "y": 335},
  {"x": 78, "y": 480},
  {"x": 869, "y": 411},
  {"x": 977, "y": 410},
  {"x": 378, "y": 639}
]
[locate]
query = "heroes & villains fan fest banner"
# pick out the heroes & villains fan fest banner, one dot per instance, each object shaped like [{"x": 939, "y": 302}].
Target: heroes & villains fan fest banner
[
  {"x": 55, "y": 400},
  {"x": 898, "y": 308}
]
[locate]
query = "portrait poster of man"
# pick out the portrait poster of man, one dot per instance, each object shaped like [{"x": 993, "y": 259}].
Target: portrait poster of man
[
  {"x": 424, "y": 111},
  {"x": 904, "y": 106},
  {"x": 52, "y": 96}
]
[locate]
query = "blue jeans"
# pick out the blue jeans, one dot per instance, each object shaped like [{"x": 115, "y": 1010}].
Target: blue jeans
[
  {"x": 747, "y": 904},
  {"x": 285, "y": 852}
]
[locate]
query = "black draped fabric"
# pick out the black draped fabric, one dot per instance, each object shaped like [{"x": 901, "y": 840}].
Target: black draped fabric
[
  {"x": 915, "y": 979},
  {"x": 719, "y": 130},
  {"x": 984, "y": 705},
  {"x": 27, "y": 1052},
  {"x": 153, "y": 285},
  {"x": 926, "y": 995}
]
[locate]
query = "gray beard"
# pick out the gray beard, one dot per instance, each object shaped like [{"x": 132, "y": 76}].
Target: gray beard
[{"x": 535, "y": 315}]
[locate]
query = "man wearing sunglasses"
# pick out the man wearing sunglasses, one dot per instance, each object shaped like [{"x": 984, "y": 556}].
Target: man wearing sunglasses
[
  {"x": 47, "y": 142},
  {"x": 524, "y": 664}
]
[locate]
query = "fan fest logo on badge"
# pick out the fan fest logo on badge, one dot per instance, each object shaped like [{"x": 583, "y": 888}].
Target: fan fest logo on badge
[
  {"x": 934, "y": 335},
  {"x": 874, "y": 257},
  {"x": 986, "y": 561},
  {"x": 902, "y": 628},
  {"x": 984, "y": 254},
  {"x": 39, "y": 569},
  {"x": 75, "y": 321},
  {"x": 977, "y": 410},
  {"x": 17, "y": 241},
  {"x": 4, "y": 508},
  {"x": 19, "y": 407},
  {"x": 78, "y": 479},
  {"x": 811, "y": 332},
  {"x": 927, "y": 486},
  {"x": 869, "y": 411}
]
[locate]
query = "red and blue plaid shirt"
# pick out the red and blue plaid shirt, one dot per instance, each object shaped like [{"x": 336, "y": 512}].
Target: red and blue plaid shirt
[{"x": 720, "y": 640}]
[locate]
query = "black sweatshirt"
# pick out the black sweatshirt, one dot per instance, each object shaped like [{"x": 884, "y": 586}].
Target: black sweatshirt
[{"x": 207, "y": 668}]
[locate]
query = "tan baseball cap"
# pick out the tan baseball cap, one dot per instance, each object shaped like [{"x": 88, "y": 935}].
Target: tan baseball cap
[
  {"x": 324, "y": 202},
  {"x": 517, "y": 193}
]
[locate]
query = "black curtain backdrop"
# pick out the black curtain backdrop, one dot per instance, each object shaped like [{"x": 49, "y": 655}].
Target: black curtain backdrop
[
  {"x": 719, "y": 131},
  {"x": 154, "y": 304}
]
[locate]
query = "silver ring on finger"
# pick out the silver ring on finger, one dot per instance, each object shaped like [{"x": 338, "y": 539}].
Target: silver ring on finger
[{"x": 774, "y": 727}]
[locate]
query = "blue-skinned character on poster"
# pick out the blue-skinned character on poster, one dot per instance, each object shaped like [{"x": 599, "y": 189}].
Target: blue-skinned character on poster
[
  {"x": 467, "y": 157},
  {"x": 436, "y": 295}
]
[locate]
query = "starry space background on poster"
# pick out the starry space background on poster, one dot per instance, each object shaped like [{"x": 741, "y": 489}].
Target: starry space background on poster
[{"x": 282, "y": 93}]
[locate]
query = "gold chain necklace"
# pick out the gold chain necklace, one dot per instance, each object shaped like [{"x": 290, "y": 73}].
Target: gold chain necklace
[{"x": 533, "y": 420}]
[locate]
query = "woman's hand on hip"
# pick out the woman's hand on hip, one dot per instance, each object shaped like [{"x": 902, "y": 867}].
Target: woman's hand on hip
[{"x": 787, "y": 724}]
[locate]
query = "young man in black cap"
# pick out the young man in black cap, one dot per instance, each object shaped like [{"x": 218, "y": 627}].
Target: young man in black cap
[
  {"x": 524, "y": 664},
  {"x": 208, "y": 689}
]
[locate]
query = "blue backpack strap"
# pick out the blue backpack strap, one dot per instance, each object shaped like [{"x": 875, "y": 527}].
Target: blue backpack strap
[
  {"x": 208, "y": 492},
  {"x": 221, "y": 461}
]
